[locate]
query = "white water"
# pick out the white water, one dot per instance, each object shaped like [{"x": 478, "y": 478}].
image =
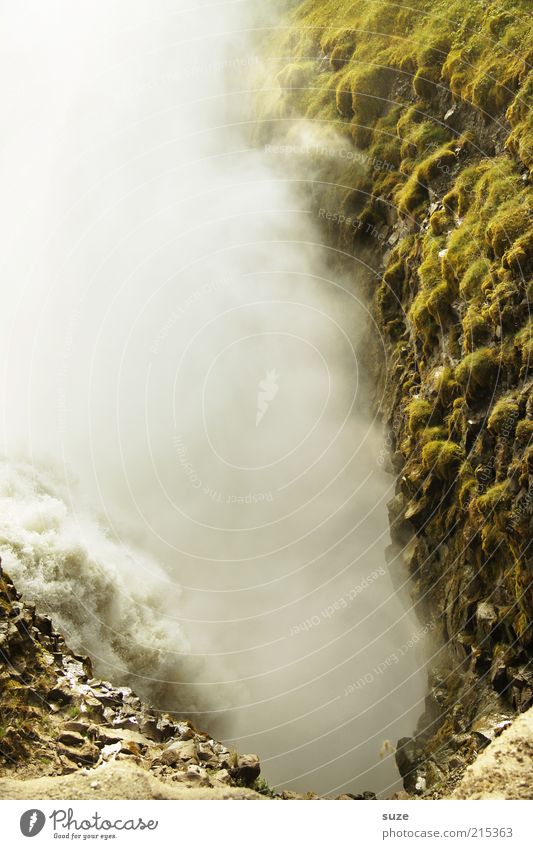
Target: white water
[{"x": 180, "y": 381}]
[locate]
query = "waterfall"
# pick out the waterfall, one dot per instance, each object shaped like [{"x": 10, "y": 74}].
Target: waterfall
[{"x": 192, "y": 484}]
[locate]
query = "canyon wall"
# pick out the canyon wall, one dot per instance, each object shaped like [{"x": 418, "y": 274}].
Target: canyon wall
[{"x": 410, "y": 129}]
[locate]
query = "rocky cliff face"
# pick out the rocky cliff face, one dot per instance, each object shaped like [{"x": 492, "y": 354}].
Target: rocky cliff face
[{"x": 419, "y": 166}]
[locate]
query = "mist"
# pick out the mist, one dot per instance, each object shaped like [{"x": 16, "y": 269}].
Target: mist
[{"x": 192, "y": 483}]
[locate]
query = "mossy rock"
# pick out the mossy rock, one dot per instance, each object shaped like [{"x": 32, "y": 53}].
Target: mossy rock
[
  {"x": 294, "y": 76},
  {"x": 524, "y": 433},
  {"x": 505, "y": 228},
  {"x": 441, "y": 381},
  {"x": 504, "y": 416},
  {"x": 470, "y": 285},
  {"x": 467, "y": 490},
  {"x": 439, "y": 164},
  {"x": 477, "y": 328},
  {"x": 419, "y": 413},
  {"x": 433, "y": 434},
  {"x": 495, "y": 498},
  {"x": 440, "y": 222},
  {"x": 426, "y": 82},
  {"x": 411, "y": 196},
  {"x": 478, "y": 371},
  {"x": 519, "y": 257}
]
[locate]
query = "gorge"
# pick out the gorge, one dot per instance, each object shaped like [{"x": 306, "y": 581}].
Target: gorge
[{"x": 270, "y": 302}]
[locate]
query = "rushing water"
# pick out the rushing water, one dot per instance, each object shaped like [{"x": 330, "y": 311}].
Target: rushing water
[{"x": 192, "y": 486}]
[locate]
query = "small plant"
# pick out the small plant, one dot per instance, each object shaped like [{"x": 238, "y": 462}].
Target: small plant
[{"x": 261, "y": 786}]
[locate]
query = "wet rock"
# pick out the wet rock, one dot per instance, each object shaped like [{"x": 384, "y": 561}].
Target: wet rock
[
  {"x": 107, "y": 699},
  {"x": 110, "y": 736},
  {"x": 433, "y": 774},
  {"x": 106, "y": 737}
]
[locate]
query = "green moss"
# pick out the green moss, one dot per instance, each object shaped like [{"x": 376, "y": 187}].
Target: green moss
[
  {"x": 467, "y": 490},
  {"x": 520, "y": 117},
  {"x": 427, "y": 82},
  {"x": 471, "y": 282},
  {"x": 362, "y": 95},
  {"x": 518, "y": 258},
  {"x": 419, "y": 136},
  {"x": 504, "y": 416},
  {"x": 439, "y": 164},
  {"x": 523, "y": 344},
  {"x": 431, "y": 304},
  {"x": 524, "y": 433},
  {"x": 493, "y": 499},
  {"x": 440, "y": 222},
  {"x": 477, "y": 371},
  {"x": 443, "y": 385},
  {"x": 419, "y": 413},
  {"x": 414, "y": 193},
  {"x": 477, "y": 328},
  {"x": 295, "y": 76},
  {"x": 505, "y": 227},
  {"x": 432, "y": 434},
  {"x": 442, "y": 458}
]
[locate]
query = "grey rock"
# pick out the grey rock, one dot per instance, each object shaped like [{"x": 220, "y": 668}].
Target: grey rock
[
  {"x": 178, "y": 752},
  {"x": 76, "y": 725},
  {"x": 71, "y": 738}
]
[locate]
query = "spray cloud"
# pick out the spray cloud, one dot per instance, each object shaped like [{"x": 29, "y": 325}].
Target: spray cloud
[{"x": 196, "y": 496}]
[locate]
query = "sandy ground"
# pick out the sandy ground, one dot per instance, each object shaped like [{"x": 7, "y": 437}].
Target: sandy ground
[
  {"x": 114, "y": 781},
  {"x": 504, "y": 770}
]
